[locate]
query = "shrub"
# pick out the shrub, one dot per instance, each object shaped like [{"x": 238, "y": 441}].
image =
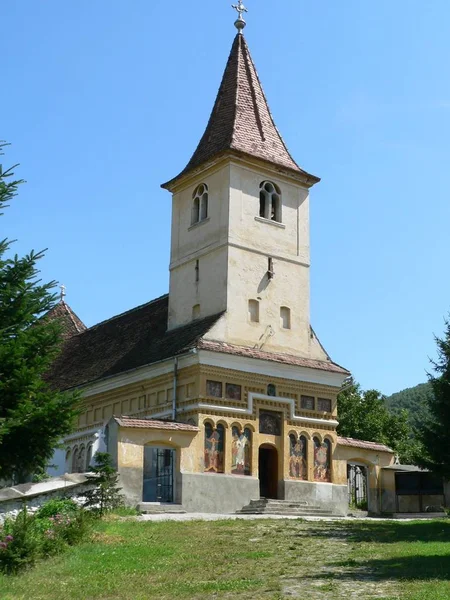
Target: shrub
[
  {"x": 20, "y": 544},
  {"x": 58, "y": 506},
  {"x": 29, "y": 537}
]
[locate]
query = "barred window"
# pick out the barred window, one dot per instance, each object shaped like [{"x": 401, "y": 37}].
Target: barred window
[
  {"x": 307, "y": 402},
  {"x": 324, "y": 404}
]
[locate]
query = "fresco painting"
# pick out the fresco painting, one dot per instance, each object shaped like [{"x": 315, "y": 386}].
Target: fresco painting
[
  {"x": 241, "y": 451},
  {"x": 322, "y": 462},
  {"x": 298, "y": 458},
  {"x": 270, "y": 423},
  {"x": 214, "y": 448}
]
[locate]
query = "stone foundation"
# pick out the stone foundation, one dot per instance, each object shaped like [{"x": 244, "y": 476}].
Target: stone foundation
[
  {"x": 327, "y": 496},
  {"x": 216, "y": 493}
]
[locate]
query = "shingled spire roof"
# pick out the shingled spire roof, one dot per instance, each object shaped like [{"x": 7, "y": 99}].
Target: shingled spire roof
[
  {"x": 70, "y": 323},
  {"x": 241, "y": 120}
]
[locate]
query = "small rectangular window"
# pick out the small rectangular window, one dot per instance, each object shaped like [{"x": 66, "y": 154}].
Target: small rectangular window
[
  {"x": 285, "y": 317},
  {"x": 253, "y": 311},
  {"x": 324, "y": 404},
  {"x": 233, "y": 391},
  {"x": 214, "y": 388},
  {"x": 307, "y": 402}
]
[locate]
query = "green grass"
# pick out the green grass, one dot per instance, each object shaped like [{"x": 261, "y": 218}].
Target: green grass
[{"x": 255, "y": 560}]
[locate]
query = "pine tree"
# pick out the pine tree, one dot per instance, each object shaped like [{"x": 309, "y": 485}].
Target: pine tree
[
  {"x": 106, "y": 495},
  {"x": 33, "y": 417},
  {"x": 435, "y": 431}
]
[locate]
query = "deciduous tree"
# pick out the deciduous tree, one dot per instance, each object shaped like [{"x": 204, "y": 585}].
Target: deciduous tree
[{"x": 364, "y": 415}]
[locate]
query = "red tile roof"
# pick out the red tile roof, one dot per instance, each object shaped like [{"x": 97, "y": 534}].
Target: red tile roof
[
  {"x": 345, "y": 441},
  {"x": 154, "y": 424},
  {"x": 139, "y": 337},
  {"x": 287, "y": 359},
  {"x": 241, "y": 120}
]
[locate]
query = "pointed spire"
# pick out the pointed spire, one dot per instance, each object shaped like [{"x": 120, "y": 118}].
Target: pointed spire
[{"x": 241, "y": 121}]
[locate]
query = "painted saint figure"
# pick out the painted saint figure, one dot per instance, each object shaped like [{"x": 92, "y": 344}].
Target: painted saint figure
[
  {"x": 241, "y": 452},
  {"x": 322, "y": 466},
  {"x": 214, "y": 448},
  {"x": 297, "y": 458}
]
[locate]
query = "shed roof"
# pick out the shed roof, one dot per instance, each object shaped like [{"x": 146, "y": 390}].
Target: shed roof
[
  {"x": 154, "y": 424},
  {"x": 346, "y": 441}
]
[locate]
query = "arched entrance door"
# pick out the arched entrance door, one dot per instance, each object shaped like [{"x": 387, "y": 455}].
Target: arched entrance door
[
  {"x": 357, "y": 486},
  {"x": 268, "y": 471}
]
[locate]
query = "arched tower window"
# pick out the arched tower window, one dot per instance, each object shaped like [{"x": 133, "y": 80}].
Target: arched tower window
[
  {"x": 285, "y": 317},
  {"x": 270, "y": 201},
  {"x": 199, "y": 204},
  {"x": 322, "y": 460},
  {"x": 253, "y": 311}
]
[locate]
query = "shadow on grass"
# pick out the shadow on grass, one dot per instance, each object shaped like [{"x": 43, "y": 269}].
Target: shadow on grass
[
  {"x": 385, "y": 532},
  {"x": 411, "y": 568}
]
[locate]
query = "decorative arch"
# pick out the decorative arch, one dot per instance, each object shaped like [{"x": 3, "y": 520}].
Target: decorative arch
[
  {"x": 214, "y": 447},
  {"x": 75, "y": 460},
  {"x": 68, "y": 463},
  {"x": 88, "y": 456},
  {"x": 81, "y": 459},
  {"x": 322, "y": 459},
  {"x": 241, "y": 450},
  {"x": 298, "y": 456}
]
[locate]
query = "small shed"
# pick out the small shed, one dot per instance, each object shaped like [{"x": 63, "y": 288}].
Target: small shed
[{"x": 410, "y": 489}]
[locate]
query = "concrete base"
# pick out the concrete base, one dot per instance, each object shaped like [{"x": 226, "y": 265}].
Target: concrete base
[
  {"x": 327, "y": 496},
  {"x": 216, "y": 493}
]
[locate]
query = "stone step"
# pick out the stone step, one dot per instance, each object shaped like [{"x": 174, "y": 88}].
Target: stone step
[
  {"x": 157, "y": 508},
  {"x": 269, "y": 506},
  {"x": 304, "y": 511}
]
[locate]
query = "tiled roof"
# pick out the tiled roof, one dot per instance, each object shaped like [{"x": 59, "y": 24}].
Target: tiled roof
[
  {"x": 133, "y": 339},
  {"x": 241, "y": 120},
  {"x": 287, "y": 359},
  {"x": 139, "y": 337},
  {"x": 154, "y": 424},
  {"x": 70, "y": 323},
  {"x": 345, "y": 441}
]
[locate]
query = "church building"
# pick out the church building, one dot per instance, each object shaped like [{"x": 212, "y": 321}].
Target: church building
[{"x": 220, "y": 393}]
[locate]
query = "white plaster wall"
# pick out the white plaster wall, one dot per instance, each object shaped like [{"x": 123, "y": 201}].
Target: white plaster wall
[
  {"x": 57, "y": 463},
  {"x": 205, "y": 241},
  {"x": 290, "y": 241},
  {"x": 233, "y": 248},
  {"x": 210, "y": 292},
  {"x": 247, "y": 278}
]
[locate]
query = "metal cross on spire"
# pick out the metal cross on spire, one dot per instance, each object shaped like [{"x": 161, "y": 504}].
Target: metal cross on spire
[{"x": 240, "y": 22}]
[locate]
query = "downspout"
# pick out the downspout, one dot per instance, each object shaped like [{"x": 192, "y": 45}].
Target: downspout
[{"x": 174, "y": 396}]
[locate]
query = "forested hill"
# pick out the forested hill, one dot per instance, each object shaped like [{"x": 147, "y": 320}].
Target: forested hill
[{"x": 414, "y": 400}]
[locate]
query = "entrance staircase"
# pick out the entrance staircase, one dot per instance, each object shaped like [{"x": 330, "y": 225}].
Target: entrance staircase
[{"x": 267, "y": 506}]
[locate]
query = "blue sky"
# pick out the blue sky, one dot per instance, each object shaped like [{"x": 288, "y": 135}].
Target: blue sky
[{"x": 103, "y": 101}]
